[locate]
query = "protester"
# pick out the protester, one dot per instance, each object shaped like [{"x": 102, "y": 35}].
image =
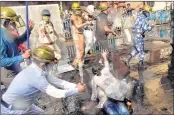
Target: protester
[
  {"x": 30, "y": 82},
  {"x": 113, "y": 102},
  {"x": 47, "y": 34},
  {"x": 10, "y": 55}
]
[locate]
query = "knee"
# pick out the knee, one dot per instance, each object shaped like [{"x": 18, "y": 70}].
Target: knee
[{"x": 110, "y": 111}]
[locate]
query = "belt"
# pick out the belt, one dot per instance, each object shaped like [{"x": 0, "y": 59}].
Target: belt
[
  {"x": 47, "y": 44},
  {"x": 89, "y": 29},
  {"x": 113, "y": 100},
  {"x": 4, "y": 103}
]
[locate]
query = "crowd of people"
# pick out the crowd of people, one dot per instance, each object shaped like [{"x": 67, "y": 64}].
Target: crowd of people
[{"x": 89, "y": 27}]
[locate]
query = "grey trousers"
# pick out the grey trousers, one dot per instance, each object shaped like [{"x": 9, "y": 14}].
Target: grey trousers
[{"x": 7, "y": 76}]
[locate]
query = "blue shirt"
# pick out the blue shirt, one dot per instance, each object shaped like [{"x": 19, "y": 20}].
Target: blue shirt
[
  {"x": 30, "y": 82},
  {"x": 10, "y": 55},
  {"x": 141, "y": 24}
]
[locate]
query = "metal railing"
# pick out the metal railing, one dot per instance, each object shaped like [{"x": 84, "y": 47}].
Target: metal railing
[
  {"x": 67, "y": 29},
  {"x": 161, "y": 31}
]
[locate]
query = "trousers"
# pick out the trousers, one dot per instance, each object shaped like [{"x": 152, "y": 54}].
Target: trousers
[
  {"x": 115, "y": 108},
  {"x": 138, "y": 46}
]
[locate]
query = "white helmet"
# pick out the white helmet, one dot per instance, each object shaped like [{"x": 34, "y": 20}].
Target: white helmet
[{"x": 91, "y": 8}]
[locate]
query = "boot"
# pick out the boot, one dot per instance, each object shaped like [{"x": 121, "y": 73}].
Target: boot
[
  {"x": 140, "y": 94},
  {"x": 140, "y": 71},
  {"x": 141, "y": 82}
]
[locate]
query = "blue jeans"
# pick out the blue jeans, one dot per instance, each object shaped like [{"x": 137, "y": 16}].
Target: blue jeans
[{"x": 115, "y": 108}]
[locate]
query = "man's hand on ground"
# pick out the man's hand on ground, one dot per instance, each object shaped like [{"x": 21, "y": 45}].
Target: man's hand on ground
[
  {"x": 26, "y": 54},
  {"x": 89, "y": 106}
]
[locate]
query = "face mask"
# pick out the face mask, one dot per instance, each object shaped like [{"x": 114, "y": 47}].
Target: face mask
[{"x": 46, "y": 18}]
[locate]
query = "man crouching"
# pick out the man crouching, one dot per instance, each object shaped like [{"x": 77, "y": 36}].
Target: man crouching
[{"x": 30, "y": 82}]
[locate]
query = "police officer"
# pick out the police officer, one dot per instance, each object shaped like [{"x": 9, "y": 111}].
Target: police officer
[
  {"x": 140, "y": 27},
  {"x": 10, "y": 55},
  {"x": 47, "y": 34},
  {"x": 77, "y": 32}
]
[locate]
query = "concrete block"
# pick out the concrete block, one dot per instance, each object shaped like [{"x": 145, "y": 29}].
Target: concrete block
[{"x": 160, "y": 51}]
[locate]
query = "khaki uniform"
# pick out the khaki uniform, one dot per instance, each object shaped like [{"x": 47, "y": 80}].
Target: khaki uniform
[
  {"x": 49, "y": 39},
  {"x": 78, "y": 39}
]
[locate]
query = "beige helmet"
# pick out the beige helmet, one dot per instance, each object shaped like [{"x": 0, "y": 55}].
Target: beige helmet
[
  {"x": 75, "y": 6},
  {"x": 103, "y": 6},
  {"x": 147, "y": 8},
  {"x": 44, "y": 54}
]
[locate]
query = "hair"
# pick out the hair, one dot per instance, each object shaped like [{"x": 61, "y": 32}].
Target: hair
[{"x": 96, "y": 69}]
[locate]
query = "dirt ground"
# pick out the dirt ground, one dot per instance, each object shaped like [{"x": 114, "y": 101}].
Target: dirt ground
[{"x": 158, "y": 97}]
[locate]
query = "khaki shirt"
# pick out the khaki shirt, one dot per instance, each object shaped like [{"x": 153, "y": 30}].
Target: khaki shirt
[
  {"x": 48, "y": 29},
  {"x": 79, "y": 21}
]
